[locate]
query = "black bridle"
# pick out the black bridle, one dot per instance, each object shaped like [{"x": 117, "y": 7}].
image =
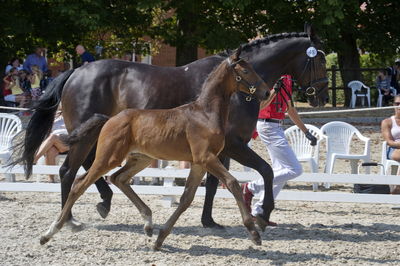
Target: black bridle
[{"x": 310, "y": 90}]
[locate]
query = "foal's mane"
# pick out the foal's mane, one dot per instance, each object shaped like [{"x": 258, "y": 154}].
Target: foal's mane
[{"x": 265, "y": 41}]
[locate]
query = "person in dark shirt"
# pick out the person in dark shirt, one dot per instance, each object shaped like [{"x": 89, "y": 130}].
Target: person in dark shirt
[
  {"x": 86, "y": 57},
  {"x": 393, "y": 73}
]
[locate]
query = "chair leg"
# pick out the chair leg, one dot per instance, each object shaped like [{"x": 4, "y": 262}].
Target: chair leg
[{"x": 314, "y": 169}]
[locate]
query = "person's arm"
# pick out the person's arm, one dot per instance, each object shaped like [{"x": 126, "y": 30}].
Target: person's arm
[
  {"x": 386, "y": 127},
  {"x": 268, "y": 101},
  {"x": 294, "y": 116}
]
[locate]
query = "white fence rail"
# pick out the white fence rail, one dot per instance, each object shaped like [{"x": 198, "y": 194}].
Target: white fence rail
[{"x": 169, "y": 191}]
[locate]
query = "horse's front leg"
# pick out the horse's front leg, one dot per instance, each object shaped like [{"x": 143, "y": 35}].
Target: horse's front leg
[
  {"x": 239, "y": 151},
  {"x": 214, "y": 166},
  {"x": 211, "y": 189},
  {"x": 193, "y": 181}
]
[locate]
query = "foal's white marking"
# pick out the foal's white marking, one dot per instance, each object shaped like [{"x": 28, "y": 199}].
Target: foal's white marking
[{"x": 186, "y": 68}]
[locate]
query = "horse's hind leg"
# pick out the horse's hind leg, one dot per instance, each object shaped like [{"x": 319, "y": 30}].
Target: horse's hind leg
[
  {"x": 211, "y": 189},
  {"x": 214, "y": 166},
  {"x": 195, "y": 176},
  {"x": 134, "y": 164},
  {"x": 103, "y": 208}
]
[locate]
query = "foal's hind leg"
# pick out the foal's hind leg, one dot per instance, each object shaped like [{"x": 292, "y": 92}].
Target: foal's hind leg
[
  {"x": 134, "y": 164},
  {"x": 79, "y": 186},
  {"x": 214, "y": 166},
  {"x": 193, "y": 181}
]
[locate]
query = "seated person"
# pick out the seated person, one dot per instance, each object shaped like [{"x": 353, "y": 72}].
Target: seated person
[
  {"x": 53, "y": 145},
  {"x": 390, "y": 128},
  {"x": 12, "y": 91},
  {"x": 383, "y": 84}
]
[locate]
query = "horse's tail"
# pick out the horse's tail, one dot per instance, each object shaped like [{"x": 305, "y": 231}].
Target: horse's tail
[
  {"x": 90, "y": 127},
  {"x": 41, "y": 122}
]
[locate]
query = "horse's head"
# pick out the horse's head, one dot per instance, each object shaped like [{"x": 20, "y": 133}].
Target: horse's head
[
  {"x": 247, "y": 80},
  {"x": 310, "y": 71}
]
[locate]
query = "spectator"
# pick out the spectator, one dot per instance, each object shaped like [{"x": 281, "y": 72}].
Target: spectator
[
  {"x": 86, "y": 57},
  {"x": 394, "y": 73},
  {"x": 127, "y": 56},
  {"x": 25, "y": 82},
  {"x": 35, "y": 79},
  {"x": 46, "y": 80},
  {"x": 53, "y": 145},
  {"x": 383, "y": 84},
  {"x": 12, "y": 91},
  {"x": 14, "y": 62},
  {"x": 36, "y": 59},
  {"x": 390, "y": 128}
]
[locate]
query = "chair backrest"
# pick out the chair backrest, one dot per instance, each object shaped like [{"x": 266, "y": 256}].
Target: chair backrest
[
  {"x": 339, "y": 136},
  {"x": 10, "y": 125},
  {"x": 300, "y": 144},
  {"x": 356, "y": 85}
]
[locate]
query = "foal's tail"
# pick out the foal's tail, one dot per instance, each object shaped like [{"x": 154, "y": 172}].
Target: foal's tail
[
  {"x": 40, "y": 124},
  {"x": 91, "y": 126}
]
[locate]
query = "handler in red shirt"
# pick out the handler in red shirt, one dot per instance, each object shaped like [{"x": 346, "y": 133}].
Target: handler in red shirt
[{"x": 269, "y": 127}]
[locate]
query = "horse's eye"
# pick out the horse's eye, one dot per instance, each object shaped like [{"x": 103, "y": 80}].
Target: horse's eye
[{"x": 245, "y": 71}]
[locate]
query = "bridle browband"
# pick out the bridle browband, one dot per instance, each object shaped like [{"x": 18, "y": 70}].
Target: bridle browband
[
  {"x": 239, "y": 79},
  {"x": 311, "y": 90}
]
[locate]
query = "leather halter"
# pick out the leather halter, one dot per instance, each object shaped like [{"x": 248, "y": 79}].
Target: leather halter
[{"x": 239, "y": 79}]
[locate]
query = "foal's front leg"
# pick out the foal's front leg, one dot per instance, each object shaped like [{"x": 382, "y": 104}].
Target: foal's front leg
[
  {"x": 193, "y": 181},
  {"x": 215, "y": 167}
]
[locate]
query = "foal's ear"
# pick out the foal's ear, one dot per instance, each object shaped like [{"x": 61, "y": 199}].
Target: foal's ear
[{"x": 236, "y": 56}]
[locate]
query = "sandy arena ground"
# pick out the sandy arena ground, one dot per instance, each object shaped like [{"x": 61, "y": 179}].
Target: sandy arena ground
[{"x": 308, "y": 232}]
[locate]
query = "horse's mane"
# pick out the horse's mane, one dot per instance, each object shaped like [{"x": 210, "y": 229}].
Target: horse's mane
[{"x": 265, "y": 41}]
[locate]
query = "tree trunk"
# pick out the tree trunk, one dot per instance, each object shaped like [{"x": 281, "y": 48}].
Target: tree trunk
[
  {"x": 187, "y": 43},
  {"x": 349, "y": 63}
]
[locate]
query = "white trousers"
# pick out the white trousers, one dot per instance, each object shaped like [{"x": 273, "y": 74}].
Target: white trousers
[{"x": 284, "y": 162}]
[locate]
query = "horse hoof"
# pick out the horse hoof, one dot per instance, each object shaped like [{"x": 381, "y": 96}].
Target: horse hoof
[
  {"x": 255, "y": 238},
  {"x": 148, "y": 230},
  {"x": 102, "y": 209},
  {"x": 157, "y": 247},
  {"x": 44, "y": 240},
  {"x": 261, "y": 222},
  {"x": 213, "y": 225}
]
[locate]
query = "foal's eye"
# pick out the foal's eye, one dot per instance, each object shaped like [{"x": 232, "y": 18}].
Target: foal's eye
[{"x": 245, "y": 71}]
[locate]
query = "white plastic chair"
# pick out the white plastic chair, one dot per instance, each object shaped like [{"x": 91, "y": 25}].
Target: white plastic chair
[
  {"x": 387, "y": 163},
  {"x": 356, "y": 87},
  {"x": 302, "y": 148},
  {"x": 10, "y": 125},
  {"x": 380, "y": 96},
  {"x": 338, "y": 144}
]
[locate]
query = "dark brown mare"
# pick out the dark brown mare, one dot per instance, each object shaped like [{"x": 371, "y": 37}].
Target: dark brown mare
[
  {"x": 110, "y": 86},
  {"x": 192, "y": 132}
]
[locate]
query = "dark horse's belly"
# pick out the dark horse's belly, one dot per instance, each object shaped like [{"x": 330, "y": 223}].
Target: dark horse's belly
[{"x": 125, "y": 85}]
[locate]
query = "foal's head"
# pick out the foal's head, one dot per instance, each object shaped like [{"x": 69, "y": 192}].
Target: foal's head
[{"x": 247, "y": 80}]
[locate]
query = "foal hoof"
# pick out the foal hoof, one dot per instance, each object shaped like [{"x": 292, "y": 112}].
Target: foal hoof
[
  {"x": 102, "y": 209},
  {"x": 44, "y": 240}
]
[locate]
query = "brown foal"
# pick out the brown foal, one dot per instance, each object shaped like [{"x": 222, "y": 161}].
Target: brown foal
[{"x": 193, "y": 132}]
